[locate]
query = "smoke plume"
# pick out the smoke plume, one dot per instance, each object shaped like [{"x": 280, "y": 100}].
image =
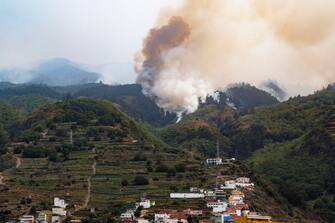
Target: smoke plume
[
  {"x": 205, "y": 45},
  {"x": 274, "y": 89}
]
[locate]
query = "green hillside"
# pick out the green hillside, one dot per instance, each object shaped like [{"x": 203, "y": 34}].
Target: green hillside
[
  {"x": 290, "y": 145},
  {"x": 298, "y": 153},
  {"x": 110, "y": 155},
  {"x": 107, "y": 164},
  {"x": 28, "y": 103}
]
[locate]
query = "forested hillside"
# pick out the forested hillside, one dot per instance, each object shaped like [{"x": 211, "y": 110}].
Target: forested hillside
[{"x": 291, "y": 144}]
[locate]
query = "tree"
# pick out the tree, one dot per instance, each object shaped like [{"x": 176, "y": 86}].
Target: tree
[
  {"x": 124, "y": 183},
  {"x": 140, "y": 180},
  {"x": 3, "y": 137},
  {"x": 180, "y": 167},
  {"x": 53, "y": 156},
  {"x": 138, "y": 212},
  {"x": 33, "y": 152},
  {"x": 162, "y": 168},
  {"x": 171, "y": 172}
]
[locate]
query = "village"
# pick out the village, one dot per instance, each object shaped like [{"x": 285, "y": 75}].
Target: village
[{"x": 225, "y": 202}]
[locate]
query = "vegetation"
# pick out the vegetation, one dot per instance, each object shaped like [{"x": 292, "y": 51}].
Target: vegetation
[
  {"x": 288, "y": 146},
  {"x": 298, "y": 152}
]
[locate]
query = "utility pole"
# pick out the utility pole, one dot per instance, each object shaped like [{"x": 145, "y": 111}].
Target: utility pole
[
  {"x": 71, "y": 137},
  {"x": 217, "y": 149},
  {"x": 218, "y": 158}
]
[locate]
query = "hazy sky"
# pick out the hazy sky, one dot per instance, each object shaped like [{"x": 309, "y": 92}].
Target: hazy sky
[{"x": 87, "y": 31}]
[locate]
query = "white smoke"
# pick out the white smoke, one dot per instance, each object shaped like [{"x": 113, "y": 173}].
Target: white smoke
[{"x": 219, "y": 42}]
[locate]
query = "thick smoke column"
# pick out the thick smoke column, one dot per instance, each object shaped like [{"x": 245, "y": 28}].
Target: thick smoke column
[
  {"x": 156, "y": 45},
  {"x": 205, "y": 45},
  {"x": 159, "y": 41}
]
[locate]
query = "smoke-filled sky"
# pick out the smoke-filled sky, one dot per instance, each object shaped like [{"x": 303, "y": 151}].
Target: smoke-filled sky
[
  {"x": 225, "y": 41},
  {"x": 87, "y": 31},
  {"x": 185, "y": 49}
]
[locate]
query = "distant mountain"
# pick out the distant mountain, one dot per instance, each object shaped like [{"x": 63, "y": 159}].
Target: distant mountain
[
  {"x": 54, "y": 72},
  {"x": 62, "y": 72},
  {"x": 17, "y": 76},
  {"x": 65, "y": 75}
]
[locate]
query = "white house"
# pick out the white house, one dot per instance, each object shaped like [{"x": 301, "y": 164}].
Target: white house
[
  {"x": 217, "y": 206},
  {"x": 220, "y": 193},
  {"x": 129, "y": 214},
  {"x": 142, "y": 220},
  {"x": 145, "y": 203},
  {"x": 244, "y": 180},
  {"x": 42, "y": 218},
  {"x": 27, "y": 219},
  {"x": 229, "y": 185},
  {"x": 56, "y": 219},
  {"x": 194, "y": 189},
  {"x": 59, "y": 202},
  {"x": 187, "y": 195},
  {"x": 209, "y": 193},
  {"x": 58, "y": 211},
  {"x": 214, "y": 161},
  {"x": 236, "y": 197},
  {"x": 258, "y": 217},
  {"x": 164, "y": 218}
]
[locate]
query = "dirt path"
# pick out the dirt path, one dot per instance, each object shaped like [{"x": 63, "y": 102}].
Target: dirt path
[
  {"x": 17, "y": 165},
  {"x": 1, "y": 179},
  {"x": 89, "y": 185},
  {"x": 18, "y": 162}
]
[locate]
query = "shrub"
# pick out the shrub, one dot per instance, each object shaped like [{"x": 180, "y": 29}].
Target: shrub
[
  {"x": 19, "y": 149},
  {"x": 124, "y": 183},
  {"x": 139, "y": 157},
  {"x": 140, "y": 180},
  {"x": 33, "y": 152},
  {"x": 162, "y": 168},
  {"x": 180, "y": 167},
  {"x": 149, "y": 168},
  {"x": 171, "y": 172}
]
